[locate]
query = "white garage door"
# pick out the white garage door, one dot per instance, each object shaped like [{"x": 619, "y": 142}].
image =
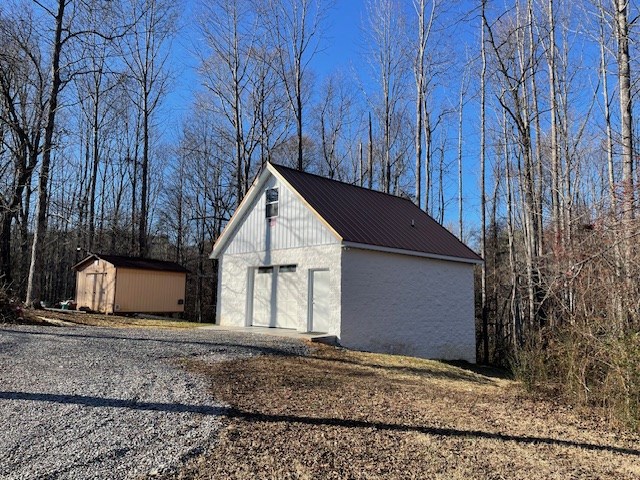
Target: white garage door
[
  {"x": 286, "y": 295},
  {"x": 262, "y": 288},
  {"x": 274, "y": 297}
]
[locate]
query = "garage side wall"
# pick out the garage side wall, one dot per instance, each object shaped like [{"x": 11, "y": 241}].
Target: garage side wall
[
  {"x": 149, "y": 291},
  {"x": 235, "y": 277},
  {"x": 407, "y": 305}
]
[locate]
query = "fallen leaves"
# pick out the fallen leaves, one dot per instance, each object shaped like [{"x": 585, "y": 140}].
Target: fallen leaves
[{"x": 339, "y": 414}]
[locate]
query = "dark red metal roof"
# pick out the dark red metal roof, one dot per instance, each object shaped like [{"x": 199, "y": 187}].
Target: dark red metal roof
[
  {"x": 360, "y": 215},
  {"x": 139, "y": 263}
]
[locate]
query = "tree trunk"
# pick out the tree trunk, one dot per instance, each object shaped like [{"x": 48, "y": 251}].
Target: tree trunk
[
  {"x": 144, "y": 186},
  {"x": 460, "y": 117},
  {"x": 34, "y": 278},
  {"x": 626, "y": 121},
  {"x": 483, "y": 198},
  {"x": 553, "y": 112},
  {"x": 370, "y": 159}
]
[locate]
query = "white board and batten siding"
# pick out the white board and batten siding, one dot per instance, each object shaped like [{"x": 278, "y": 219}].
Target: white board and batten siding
[
  {"x": 408, "y": 305},
  {"x": 268, "y": 267},
  {"x": 294, "y": 227}
]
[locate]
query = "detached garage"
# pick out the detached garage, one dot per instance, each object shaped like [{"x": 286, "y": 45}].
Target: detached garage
[
  {"x": 312, "y": 254},
  {"x": 117, "y": 284}
]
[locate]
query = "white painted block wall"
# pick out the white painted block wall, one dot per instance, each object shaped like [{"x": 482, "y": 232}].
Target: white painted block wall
[
  {"x": 407, "y": 305},
  {"x": 235, "y": 272}
]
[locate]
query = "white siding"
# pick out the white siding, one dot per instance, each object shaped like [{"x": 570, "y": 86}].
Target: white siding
[
  {"x": 235, "y": 272},
  {"x": 295, "y": 226},
  {"x": 407, "y": 305}
]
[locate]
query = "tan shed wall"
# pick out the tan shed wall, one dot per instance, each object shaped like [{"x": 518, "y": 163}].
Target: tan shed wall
[
  {"x": 85, "y": 286},
  {"x": 149, "y": 291}
]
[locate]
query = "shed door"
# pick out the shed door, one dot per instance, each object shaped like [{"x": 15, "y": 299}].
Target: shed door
[
  {"x": 97, "y": 286},
  {"x": 262, "y": 297},
  {"x": 319, "y": 301}
]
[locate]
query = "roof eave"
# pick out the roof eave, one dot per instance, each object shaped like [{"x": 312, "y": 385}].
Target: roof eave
[
  {"x": 413, "y": 253},
  {"x": 84, "y": 260}
]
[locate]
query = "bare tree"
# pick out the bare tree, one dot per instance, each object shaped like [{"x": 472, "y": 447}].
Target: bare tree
[
  {"x": 231, "y": 32},
  {"x": 93, "y": 89},
  {"x": 388, "y": 59},
  {"x": 425, "y": 24},
  {"x": 55, "y": 85},
  {"x": 626, "y": 115},
  {"x": 332, "y": 119},
  {"x": 22, "y": 109},
  {"x": 145, "y": 53},
  {"x": 464, "y": 86},
  {"x": 296, "y": 27},
  {"x": 483, "y": 198}
]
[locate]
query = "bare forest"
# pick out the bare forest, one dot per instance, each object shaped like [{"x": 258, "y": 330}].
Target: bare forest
[{"x": 511, "y": 123}]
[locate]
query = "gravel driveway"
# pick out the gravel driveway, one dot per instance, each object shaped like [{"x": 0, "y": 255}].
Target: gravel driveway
[{"x": 103, "y": 403}]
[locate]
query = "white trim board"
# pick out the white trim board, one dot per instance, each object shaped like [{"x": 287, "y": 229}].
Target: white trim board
[{"x": 435, "y": 256}]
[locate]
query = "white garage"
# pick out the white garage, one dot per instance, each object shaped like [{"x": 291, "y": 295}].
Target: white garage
[{"x": 306, "y": 253}]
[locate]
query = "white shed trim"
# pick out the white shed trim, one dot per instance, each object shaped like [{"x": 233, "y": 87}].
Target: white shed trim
[{"x": 364, "y": 246}]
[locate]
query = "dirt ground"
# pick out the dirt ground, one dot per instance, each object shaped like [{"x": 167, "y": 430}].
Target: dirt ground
[{"x": 349, "y": 415}]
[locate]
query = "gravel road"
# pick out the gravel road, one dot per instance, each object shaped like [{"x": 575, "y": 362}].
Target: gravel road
[{"x": 103, "y": 403}]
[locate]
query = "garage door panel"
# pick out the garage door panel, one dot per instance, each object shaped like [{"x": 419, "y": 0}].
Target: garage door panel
[
  {"x": 276, "y": 297},
  {"x": 262, "y": 293},
  {"x": 286, "y": 304}
]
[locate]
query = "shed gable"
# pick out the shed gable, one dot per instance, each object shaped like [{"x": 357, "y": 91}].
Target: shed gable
[{"x": 295, "y": 225}]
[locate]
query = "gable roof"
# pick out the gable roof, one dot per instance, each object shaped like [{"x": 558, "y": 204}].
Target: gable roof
[
  {"x": 139, "y": 263},
  {"x": 363, "y": 218}
]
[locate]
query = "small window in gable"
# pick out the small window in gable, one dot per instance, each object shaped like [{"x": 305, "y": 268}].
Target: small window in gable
[{"x": 272, "y": 203}]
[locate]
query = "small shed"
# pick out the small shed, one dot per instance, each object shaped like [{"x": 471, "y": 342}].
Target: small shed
[
  {"x": 119, "y": 284},
  {"x": 312, "y": 254}
]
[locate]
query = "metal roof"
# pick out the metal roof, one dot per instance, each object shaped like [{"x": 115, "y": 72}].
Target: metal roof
[
  {"x": 372, "y": 218},
  {"x": 139, "y": 263}
]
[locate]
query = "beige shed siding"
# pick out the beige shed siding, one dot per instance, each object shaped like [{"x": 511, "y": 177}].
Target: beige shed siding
[
  {"x": 149, "y": 291},
  {"x": 84, "y": 286},
  {"x": 294, "y": 227}
]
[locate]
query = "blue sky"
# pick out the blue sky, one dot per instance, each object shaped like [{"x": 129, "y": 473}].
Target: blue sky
[{"x": 342, "y": 51}]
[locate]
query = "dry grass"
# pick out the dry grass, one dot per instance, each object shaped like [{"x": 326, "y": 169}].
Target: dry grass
[
  {"x": 340, "y": 414},
  {"x": 116, "y": 321}
]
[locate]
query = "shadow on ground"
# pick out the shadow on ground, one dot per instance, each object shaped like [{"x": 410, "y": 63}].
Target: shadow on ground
[
  {"x": 248, "y": 416},
  {"x": 447, "y": 432}
]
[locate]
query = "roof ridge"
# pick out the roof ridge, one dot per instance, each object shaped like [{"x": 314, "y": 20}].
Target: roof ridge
[
  {"x": 277, "y": 165},
  {"x": 132, "y": 257}
]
